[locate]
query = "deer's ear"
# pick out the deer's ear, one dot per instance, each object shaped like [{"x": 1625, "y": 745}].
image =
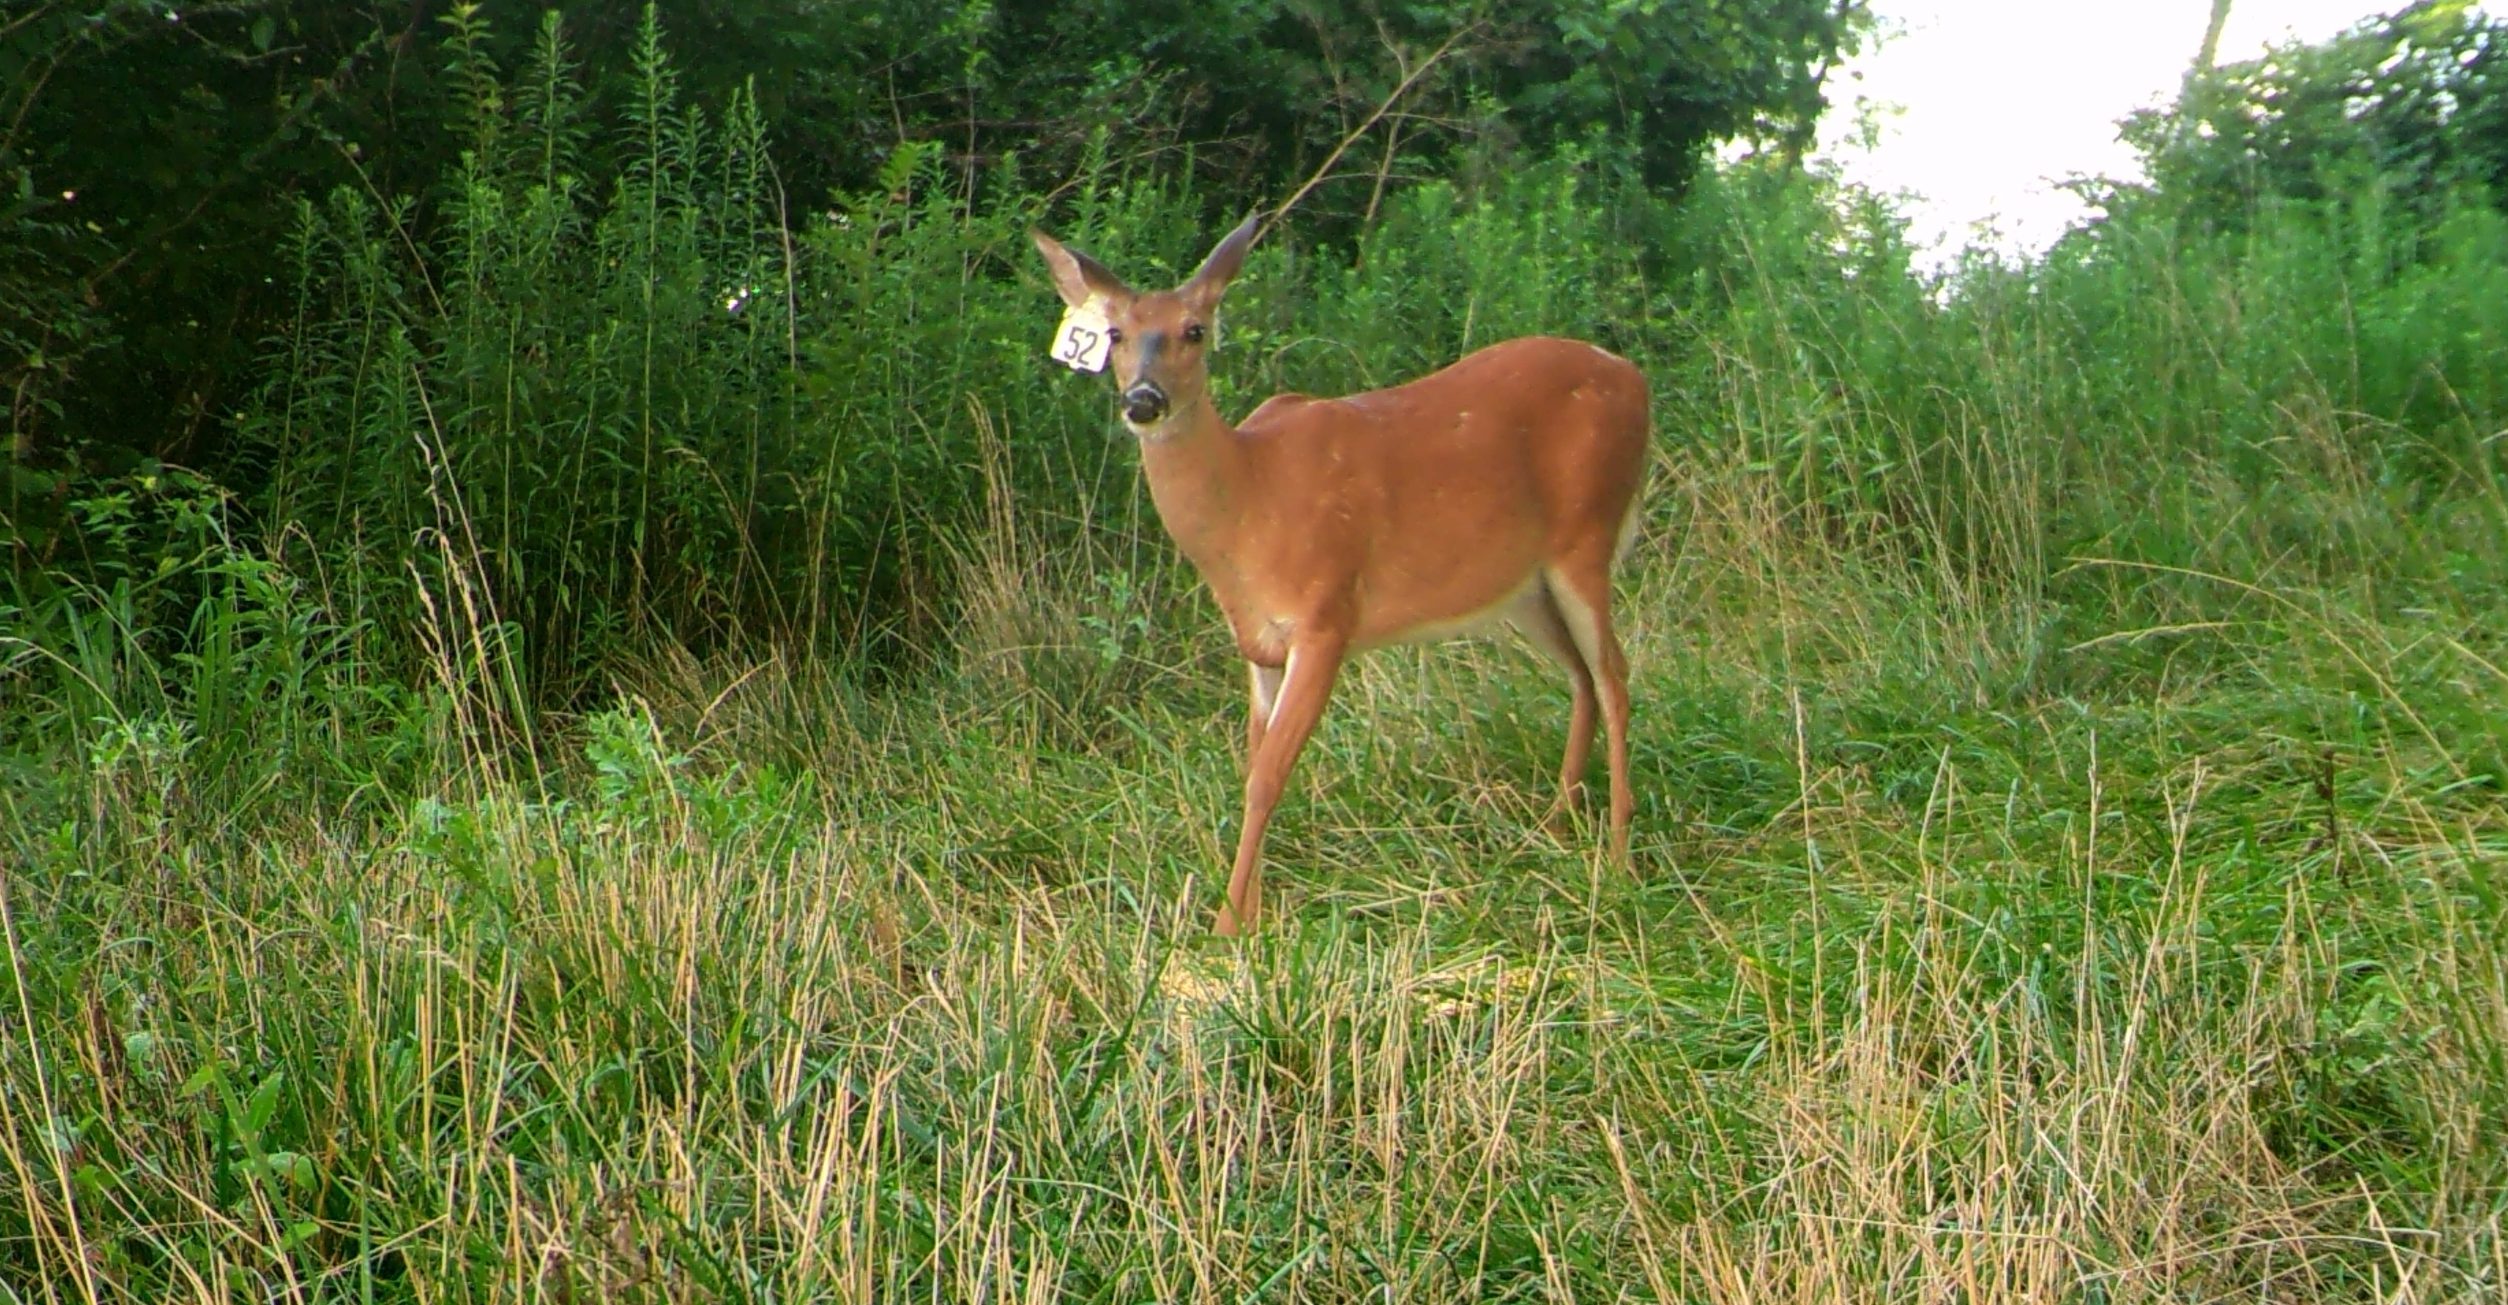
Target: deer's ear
[
  {"x": 1078, "y": 278},
  {"x": 1209, "y": 283}
]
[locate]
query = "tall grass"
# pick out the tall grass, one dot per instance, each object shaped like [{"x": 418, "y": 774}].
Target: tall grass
[{"x": 810, "y": 992}]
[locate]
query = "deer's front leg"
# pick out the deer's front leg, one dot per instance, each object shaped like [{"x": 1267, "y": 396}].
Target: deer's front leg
[{"x": 1278, "y": 735}]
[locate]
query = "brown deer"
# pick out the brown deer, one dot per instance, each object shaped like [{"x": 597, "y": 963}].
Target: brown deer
[{"x": 1502, "y": 488}]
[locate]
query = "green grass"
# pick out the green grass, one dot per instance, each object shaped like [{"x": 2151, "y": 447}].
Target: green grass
[
  {"x": 2069, "y": 748},
  {"x": 1975, "y": 950}
]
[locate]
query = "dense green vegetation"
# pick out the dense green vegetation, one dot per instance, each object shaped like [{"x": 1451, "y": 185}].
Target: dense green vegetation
[
  {"x": 657, "y": 752},
  {"x": 152, "y": 151}
]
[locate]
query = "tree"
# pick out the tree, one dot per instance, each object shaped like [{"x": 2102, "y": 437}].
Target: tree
[
  {"x": 148, "y": 148},
  {"x": 144, "y": 151},
  {"x": 2417, "y": 99}
]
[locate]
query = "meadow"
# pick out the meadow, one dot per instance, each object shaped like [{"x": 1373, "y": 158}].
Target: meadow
[{"x": 2070, "y": 862}]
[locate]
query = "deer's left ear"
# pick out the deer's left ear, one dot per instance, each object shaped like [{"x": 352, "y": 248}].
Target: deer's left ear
[
  {"x": 1078, "y": 278},
  {"x": 1209, "y": 283}
]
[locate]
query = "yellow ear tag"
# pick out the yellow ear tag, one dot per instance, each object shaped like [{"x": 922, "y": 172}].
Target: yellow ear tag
[{"x": 1084, "y": 339}]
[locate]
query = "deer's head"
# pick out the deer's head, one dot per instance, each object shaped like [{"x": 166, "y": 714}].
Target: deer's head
[{"x": 1162, "y": 340}]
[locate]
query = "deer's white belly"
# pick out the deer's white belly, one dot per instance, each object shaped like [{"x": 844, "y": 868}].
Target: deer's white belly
[{"x": 1510, "y": 610}]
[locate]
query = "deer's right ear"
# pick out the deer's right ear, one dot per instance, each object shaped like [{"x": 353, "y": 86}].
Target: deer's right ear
[
  {"x": 1078, "y": 278},
  {"x": 1211, "y": 281}
]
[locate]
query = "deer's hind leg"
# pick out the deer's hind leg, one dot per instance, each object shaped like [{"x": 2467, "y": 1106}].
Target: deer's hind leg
[
  {"x": 1581, "y": 588},
  {"x": 1262, "y": 698},
  {"x": 1539, "y": 618}
]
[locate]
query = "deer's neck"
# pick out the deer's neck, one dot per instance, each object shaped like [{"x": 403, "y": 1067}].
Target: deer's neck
[{"x": 1198, "y": 478}]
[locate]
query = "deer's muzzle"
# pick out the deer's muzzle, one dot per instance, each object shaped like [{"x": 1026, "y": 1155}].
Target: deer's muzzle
[{"x": 1144, "y": 404}]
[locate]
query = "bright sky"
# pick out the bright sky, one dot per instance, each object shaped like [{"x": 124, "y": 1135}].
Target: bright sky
[{"x": 1984, "y": 103}]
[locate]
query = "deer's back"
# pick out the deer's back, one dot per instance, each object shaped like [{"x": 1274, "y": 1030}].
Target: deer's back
[{"x": 1443, "y": 497}]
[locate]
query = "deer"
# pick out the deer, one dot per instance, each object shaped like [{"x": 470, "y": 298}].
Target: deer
[{"x": 1501, "y": 489}]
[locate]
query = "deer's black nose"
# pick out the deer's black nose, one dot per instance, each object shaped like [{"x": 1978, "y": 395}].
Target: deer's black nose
[{"x": 1144, "y": 404}]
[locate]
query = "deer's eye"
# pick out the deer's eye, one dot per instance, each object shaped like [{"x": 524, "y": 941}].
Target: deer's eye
[
  {"x": 1114, "y": 335},
  {"x": 1193, "y": 333}
]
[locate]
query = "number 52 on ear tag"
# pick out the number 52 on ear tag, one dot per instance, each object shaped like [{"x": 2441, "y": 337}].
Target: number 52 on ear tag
[{"x": 1083, "y": 340}]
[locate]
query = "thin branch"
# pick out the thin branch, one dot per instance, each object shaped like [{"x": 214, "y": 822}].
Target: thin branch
[
  {"x": 2211, "y": 50},
  {"x": 1384, "y": 169},
  {"x": 1408, "y": 81},
  {"x": 17, "y": 122},
  {"x": 23, "y": 19}
]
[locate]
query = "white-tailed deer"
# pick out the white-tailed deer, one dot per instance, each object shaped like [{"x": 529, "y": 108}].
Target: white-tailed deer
[{"x": 1499, "y": 489}]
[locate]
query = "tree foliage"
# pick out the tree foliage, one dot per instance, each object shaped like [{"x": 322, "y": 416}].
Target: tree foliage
[
  {"x": 2414, "y": 102},
  {"x": 149, "y": 149}
]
